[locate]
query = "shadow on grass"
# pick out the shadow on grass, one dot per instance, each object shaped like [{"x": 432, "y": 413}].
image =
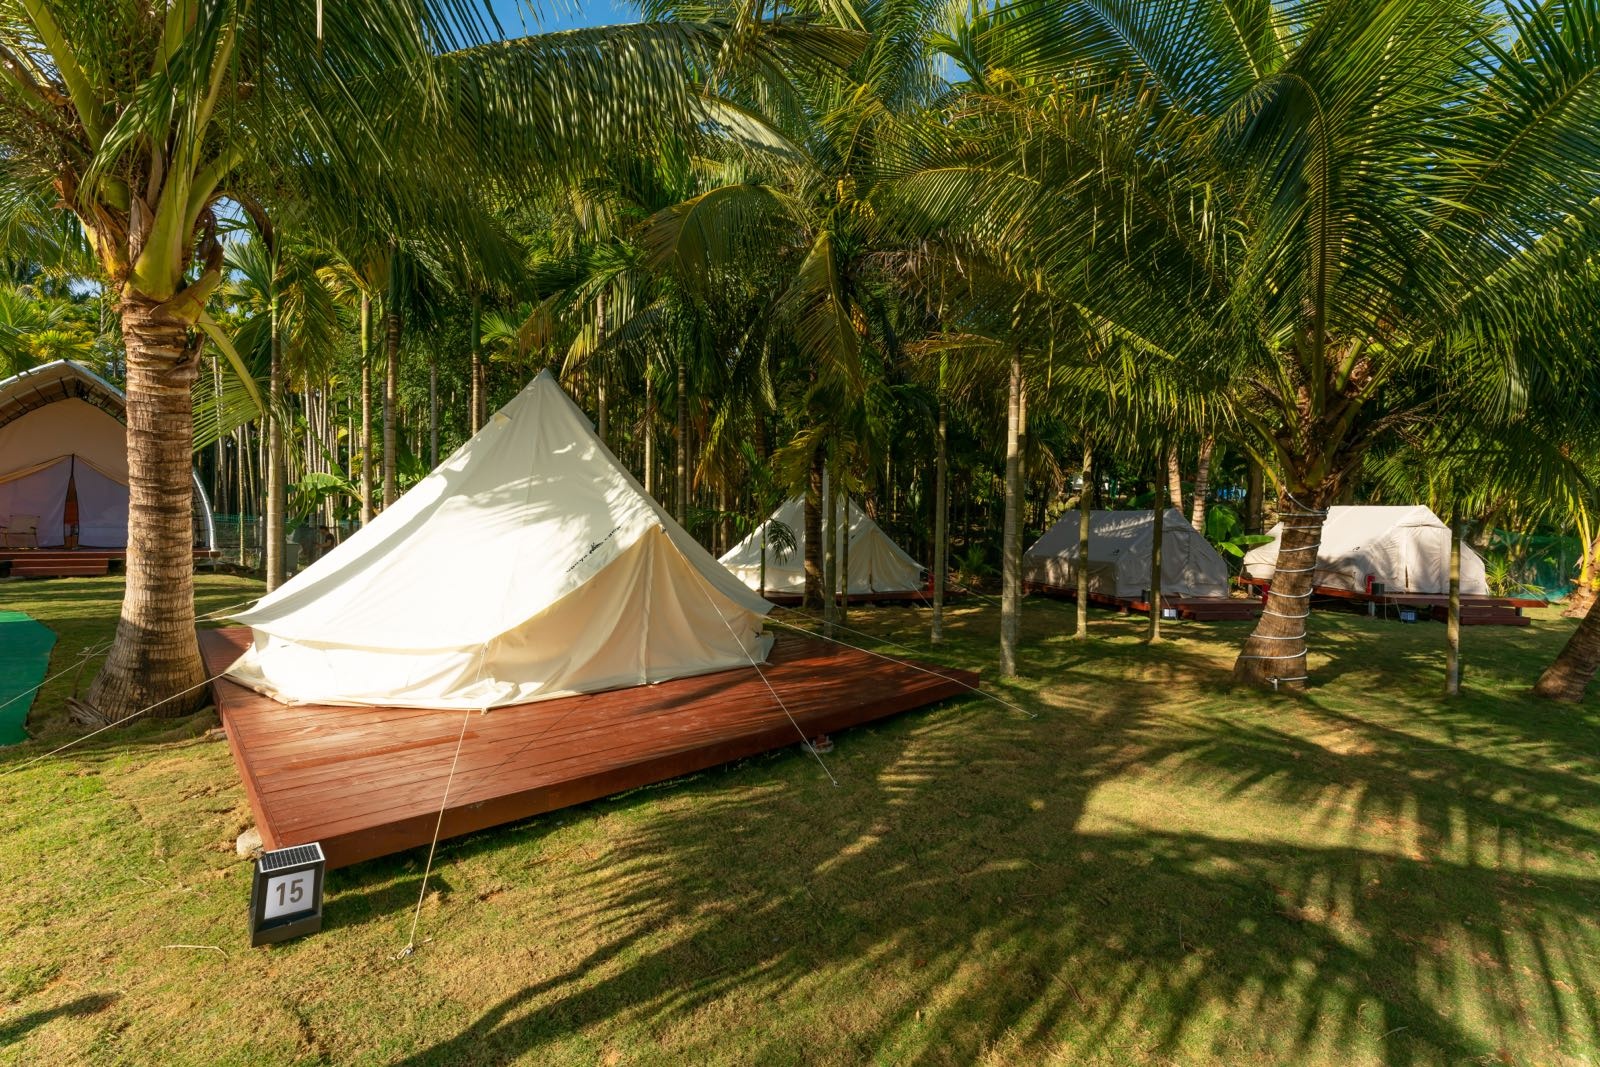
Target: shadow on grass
[
  {"x": 948, "y": 903},
  {"x": 14, "y": 1030}
]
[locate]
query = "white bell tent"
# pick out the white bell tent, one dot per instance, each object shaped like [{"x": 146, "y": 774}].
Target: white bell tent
[
  {"x": 64, "y": 460},
  {"x": 877, "y": 564},
  {"x": 1406, "y": 547},
  {"x": 1119, "y": 556},
  {"x": 529, "y": 565}
]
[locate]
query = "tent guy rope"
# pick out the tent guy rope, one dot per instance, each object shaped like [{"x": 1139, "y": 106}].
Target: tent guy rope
[
  {"x": 422, "y": 893},
  {"x": 804, "y": 740},
  {"x": 112, "y": 725},
  {"x": 892, "y": 659}
]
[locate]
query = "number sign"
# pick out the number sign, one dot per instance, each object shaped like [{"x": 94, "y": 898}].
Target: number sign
[
  {"x": 289, "y": 894},
  {"x": 286, "y": 897}
]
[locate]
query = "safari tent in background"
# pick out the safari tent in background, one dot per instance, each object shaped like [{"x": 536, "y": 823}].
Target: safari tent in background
[
  {"x": 877, "y": 564},
  {"x": 1119, "y": 556},
  {"x": 64, "y": 462},
  {"x": 529, "y": 565},
  {"x": 1406, "y": 548}
]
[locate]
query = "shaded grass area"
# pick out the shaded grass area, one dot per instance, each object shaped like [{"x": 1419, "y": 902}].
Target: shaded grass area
[{"x": 1156, "y": 868}]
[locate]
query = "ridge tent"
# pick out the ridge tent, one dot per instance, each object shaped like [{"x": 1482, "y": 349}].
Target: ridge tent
[
  {"x": 877, "y": 564},
  {"x": 64, "y": 459},
  {"x": 1406, "y": 547},
  {"x": 528, "y": 565},
  {"x": 1119, "y": 556}
]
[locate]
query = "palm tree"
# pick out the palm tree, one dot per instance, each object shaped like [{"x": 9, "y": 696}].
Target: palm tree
[
  {"x": 144, "y": 119},
  {"x": 1347, "y": 206}
]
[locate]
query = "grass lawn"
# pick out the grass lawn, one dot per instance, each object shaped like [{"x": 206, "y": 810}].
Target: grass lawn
[{"x": 1155, "y": 868}]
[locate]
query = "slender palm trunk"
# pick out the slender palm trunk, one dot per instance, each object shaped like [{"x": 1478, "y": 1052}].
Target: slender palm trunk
[
  {"x": 1275, "y": 653},
  {"x": 1174, "y": 477},
  {"x": 155, "y": 657},
  {"x": 1011, "y": 532},
  {"x": 844, "y": 558},
  {"x": 941, "y": 515},
  {"x": 1081, "y": 571},
  {"x": 602, "y": 411},
  {"x": 648, "y": 430},
  {"x": 683, "y": 441},
  {"x": 725, "y": 521},
  {"x": 1254, "y": 498},
  {"x": 476, "y": 400},
  {"x": 273, "y": 531},
  {"x": 813, "y": 535},
  {"x": 1452, "y": 666},
  {"x": 1202, "y": 483},
  {"x": 761, "y": 579},
  {"x": 433, "y": 414},
  {"x": 1158, "y": 536},
  {"x": 366, "y": 409},
  {"x": 391, "y": 399},
  {"x": 830, "y": 552},
  {"x": 1567, "y": 678}
]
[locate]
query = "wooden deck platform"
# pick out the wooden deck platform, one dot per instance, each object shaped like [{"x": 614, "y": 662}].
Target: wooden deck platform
[
  {"x": 368, "y": 782},
  {"x": 1476, "y": 610},
  {"x": 1194, "y": 608},
  {"x": 69, "y": 562}
]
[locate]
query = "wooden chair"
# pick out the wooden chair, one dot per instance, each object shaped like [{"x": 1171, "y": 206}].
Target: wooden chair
[{"x": 21, "y": 532}]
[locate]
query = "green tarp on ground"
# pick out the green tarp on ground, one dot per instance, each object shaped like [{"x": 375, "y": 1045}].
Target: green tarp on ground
[{"x": 24, "y": 657}]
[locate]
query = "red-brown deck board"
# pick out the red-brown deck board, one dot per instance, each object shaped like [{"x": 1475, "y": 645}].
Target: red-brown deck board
[
  {"x": 367, "y": 782},
  {"x": 1476, "y": 609},
  {"x": 69, "y": 562},
  {"x": 1193, "y": 608}
]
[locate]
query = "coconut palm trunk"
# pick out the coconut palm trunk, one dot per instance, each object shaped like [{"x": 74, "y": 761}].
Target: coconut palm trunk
[
  {"x": 1254, "y": 494},
  {"x": 830, "y": 552},
  {"x": 273, "y": 532},
  {"x": 1158, "y": 538},
  {"x": 813, "y": 535},
  {"x": 1568, "y": 677},
  {"x": 648, "y": 431},
  {"x": 155, "y": 659},
  {"x": 476, "y": 400},
  {"x": 1587, "y": 589},
  {"x": 1174, "y": 477},
  {"x": 682, "y": 435},
  {"x": 941, "y": 515},
  {"x": 1011, "y": 531},
  {"x": 391, "y": 399},
  {"x": 1275, "y": 653},
  {"x": 1202, "y": 483},
  {"x": 1081, "y": 571},
  {"x": 843, "y": 566},
  {"x": 1452, "y": 667},
  {"x": 433, "y": 413},
  {"x": 366, "y": 409}
]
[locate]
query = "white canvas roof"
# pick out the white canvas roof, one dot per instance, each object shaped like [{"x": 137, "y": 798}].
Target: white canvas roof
[
  {"x": 1406, "y": 547},
  {"x": 877, "y": 564},
  {"x": 529, "y": 565},
  {"x": 1119, "y": 556},
  {"x": 61, "y": 433}
]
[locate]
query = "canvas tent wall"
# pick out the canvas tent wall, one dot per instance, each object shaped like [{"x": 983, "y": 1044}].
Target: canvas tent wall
[
  {"x": 1119, "y": 556},
  {"x": 529, "y": 565},
  {"x": 64, "y": 458},
  {"x": 1405, "y": 547},
  {"x": 877, "y": 564}
]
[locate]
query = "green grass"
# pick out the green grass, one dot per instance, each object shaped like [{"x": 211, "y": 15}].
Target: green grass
[{"x": 1156, "y": 868}]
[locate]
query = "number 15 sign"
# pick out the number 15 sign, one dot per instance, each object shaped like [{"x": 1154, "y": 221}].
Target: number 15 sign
[{"x": 286, "y": 897}]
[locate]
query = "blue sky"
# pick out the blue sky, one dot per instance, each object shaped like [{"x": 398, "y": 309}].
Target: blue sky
[{"x": 516, "y": 16}]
